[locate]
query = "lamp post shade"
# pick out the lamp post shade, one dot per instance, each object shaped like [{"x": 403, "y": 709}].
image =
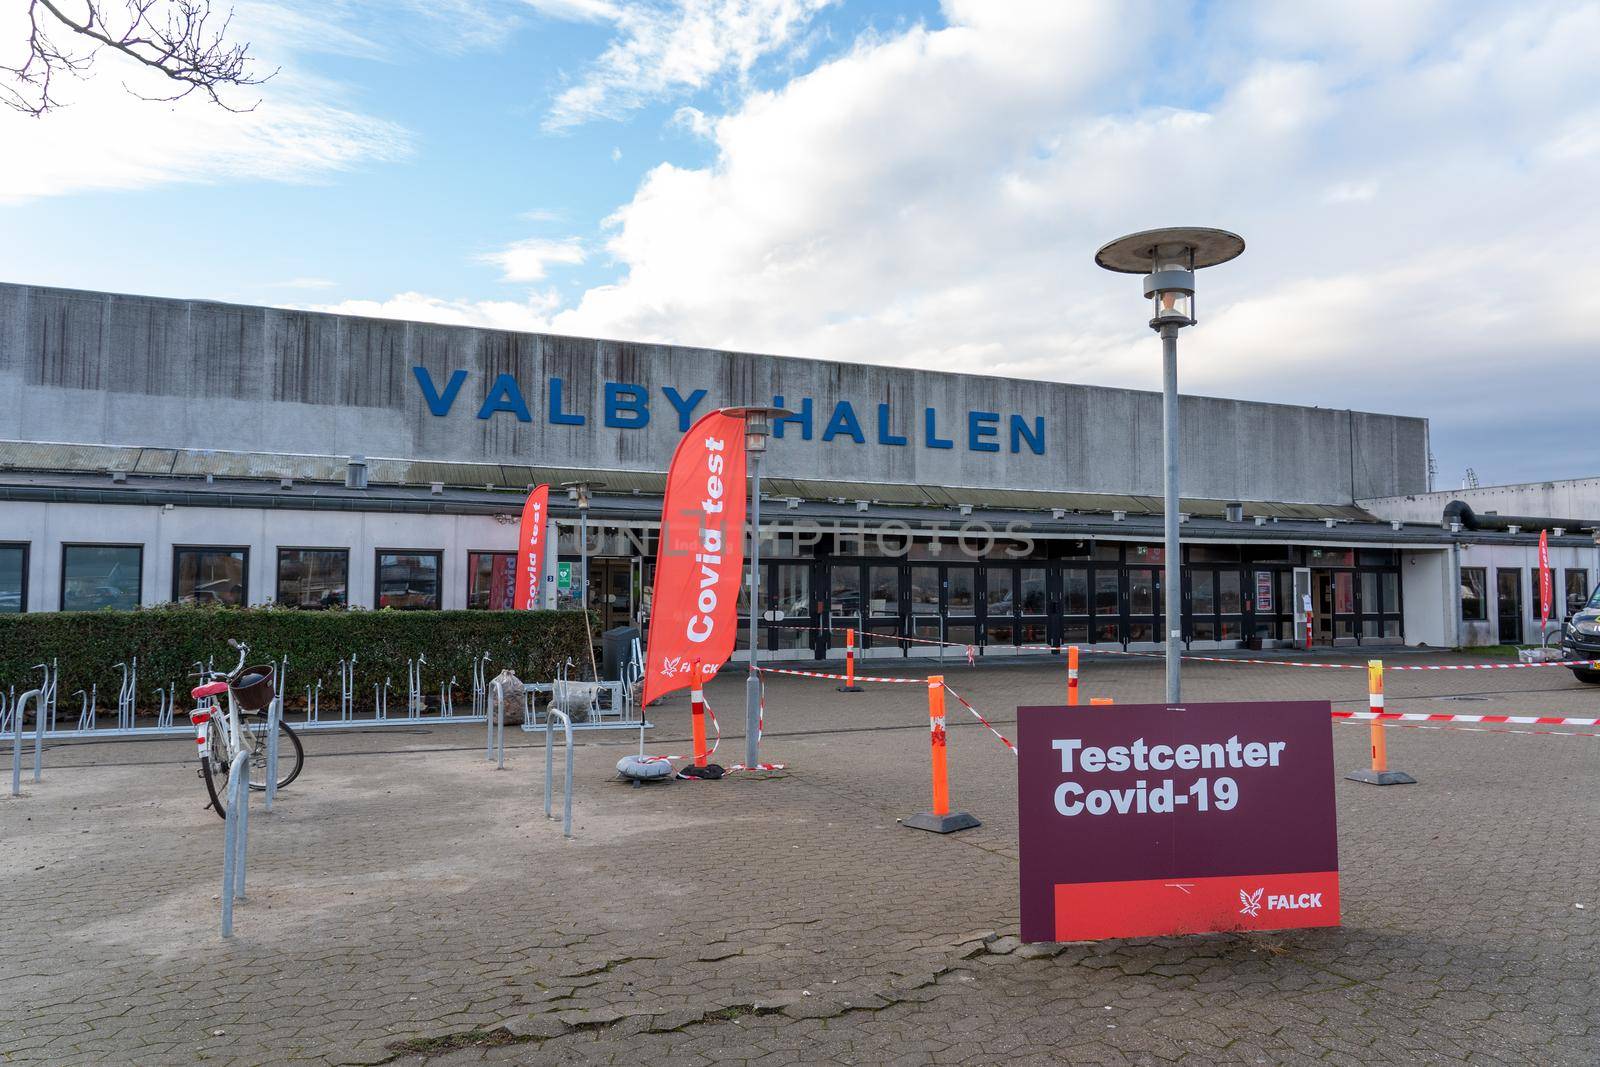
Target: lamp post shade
[{"x": 1168, "y": 259}]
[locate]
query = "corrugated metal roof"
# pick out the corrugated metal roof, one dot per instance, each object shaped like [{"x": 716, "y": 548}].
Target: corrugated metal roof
[{"x": 197, "y": 463}]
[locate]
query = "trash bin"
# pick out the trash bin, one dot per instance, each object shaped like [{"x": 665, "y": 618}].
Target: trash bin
[{"x": 616, "y": 648}]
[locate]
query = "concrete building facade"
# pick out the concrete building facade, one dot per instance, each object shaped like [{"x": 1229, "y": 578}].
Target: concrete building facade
[{"x": 155, "y": 450}]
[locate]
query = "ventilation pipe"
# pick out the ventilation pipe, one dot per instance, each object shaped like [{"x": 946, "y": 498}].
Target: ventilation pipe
[{"x": 1457, "y": 512}]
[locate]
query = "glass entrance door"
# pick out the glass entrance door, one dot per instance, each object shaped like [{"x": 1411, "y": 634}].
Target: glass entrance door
[
  {"x": 842, "y": 609},
  {"x": 1017, "y": 607},
  {"x": 886, "y": 605},
  {"x": 1076, "y": 619},
  {"x": 961, "y": 605},
  {"x": 1143, "y": 624},
  {"x": 788, "y": 622},
  {"x": 1508, "y": 600}
]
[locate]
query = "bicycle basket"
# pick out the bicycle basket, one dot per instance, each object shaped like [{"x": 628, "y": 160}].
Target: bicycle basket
[{"x": 253, "y": 690}]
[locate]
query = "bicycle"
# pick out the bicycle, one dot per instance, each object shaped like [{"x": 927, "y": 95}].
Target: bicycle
[{"x": 222, "y": 736}]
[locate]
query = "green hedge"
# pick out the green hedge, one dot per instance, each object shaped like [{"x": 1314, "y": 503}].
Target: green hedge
[{"x": 169, "y": 640}]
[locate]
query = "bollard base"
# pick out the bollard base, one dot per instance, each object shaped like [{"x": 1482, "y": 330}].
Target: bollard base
[
  {"x": 1372, "y": 777},
  {"x": 941, "y": 824},
  {"x": 849, "y": 689}
]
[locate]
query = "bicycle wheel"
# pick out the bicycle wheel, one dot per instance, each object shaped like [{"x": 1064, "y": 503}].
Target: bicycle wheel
[
  {"x": 291, "y": 754},
  {"x": 214, "y": 767}
]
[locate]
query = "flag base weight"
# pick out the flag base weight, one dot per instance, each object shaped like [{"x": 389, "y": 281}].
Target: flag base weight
[
  {"x": 941, "y": 824},
  {"x": 849, "y": 688},
  {"x": 1372, "y": 777}
]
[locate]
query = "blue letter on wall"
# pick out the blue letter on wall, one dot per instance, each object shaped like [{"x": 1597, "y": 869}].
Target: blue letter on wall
[
  {"x": 884, "y": 436},
  {"x": 844, "y": 422},
  {"x": 439, "y": 403},
  {"x": 557, "y": 416},
  {"x": 627, "y": 406},
  {"x": 930, "y": 419},
  {"x": 980, "y": 426},
  {"x": 684, "y": 408},
  {"x": 803, "y": 418},
  {"x": 1019, "y": 433},
  {"x": 503, "y": 396}
]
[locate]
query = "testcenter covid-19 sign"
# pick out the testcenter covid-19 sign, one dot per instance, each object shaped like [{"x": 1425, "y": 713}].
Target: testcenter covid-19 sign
[{"x": 1142, "y": 820}]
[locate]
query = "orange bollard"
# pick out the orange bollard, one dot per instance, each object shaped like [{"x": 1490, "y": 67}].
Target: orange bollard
[
  {"x": 1072, "y": 676},
  {"x": 1379, "y": 773},
  {"x": 849, "y": 685},
  {"x": 941, "y": 820},
  {"x": 1101, "y": 700},
  {"x": 697, "y": 714}
]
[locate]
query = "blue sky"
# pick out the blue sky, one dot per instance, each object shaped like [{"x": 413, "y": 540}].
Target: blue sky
[{"x": 911, "y": 183}]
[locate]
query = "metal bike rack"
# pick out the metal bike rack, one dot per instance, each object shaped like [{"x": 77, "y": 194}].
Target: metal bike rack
[
  {"x": 274, "y": 716},
  {"x": 480, "y": 685},
  {"x": 347, "y": 688},
  {"x": 86, "y": 713},
  {"x": 127, "y": 693},
  {"x": 235, "y": 838},
  {"x": 495, "y": 722},
  {"x": 415, "y": 703},
  {"x": 549, "y": 768},
  {"x": 18, "y": 717}
]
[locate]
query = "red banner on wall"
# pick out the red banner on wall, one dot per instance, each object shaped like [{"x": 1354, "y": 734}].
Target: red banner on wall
[
  {"x": 1546, "y": 594},
  {"x": 530, "y": 548},
  {"x": 694, "y": 613}
]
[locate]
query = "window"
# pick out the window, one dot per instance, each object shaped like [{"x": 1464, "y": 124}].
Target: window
[
  {"x": 492, "y": 581},
  {"x": 14, "y": 579},
  {"x": 210, "y": 576},
  {"x": 313, "y": 577},
  {"x": 1577, "y": 589},
  {"x": 100, "y": 576},
  {"x": 1474, "y": 599},
  {"x": 407, "y": 580}
]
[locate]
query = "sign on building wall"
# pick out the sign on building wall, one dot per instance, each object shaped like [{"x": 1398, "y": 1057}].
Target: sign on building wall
[
  {"x": 1264, "y": 591},
  {"x": 563, "y": 576},
  {"x": 1143, "y": 820}
]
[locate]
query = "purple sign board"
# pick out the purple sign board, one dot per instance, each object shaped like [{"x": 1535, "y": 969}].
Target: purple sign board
[{"x": 1138, "y": 820}]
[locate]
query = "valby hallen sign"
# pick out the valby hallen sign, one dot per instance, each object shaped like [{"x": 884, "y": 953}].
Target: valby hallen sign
[{"x": 1140, "y": 820}]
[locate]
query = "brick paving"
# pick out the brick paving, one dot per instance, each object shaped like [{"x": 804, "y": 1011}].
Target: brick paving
[{"x": 407, "y": 903}]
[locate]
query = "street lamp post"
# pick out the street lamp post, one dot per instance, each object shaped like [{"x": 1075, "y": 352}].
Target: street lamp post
[
  {"x": 1168, "y": 258},
  {"x": 757, "y": 428},
  {"x": 578, "y": 493}
]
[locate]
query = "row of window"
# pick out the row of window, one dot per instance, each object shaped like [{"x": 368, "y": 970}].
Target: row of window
[
  {"x": 1566, "y": 599},
  {"x": 111, "y": 576}
]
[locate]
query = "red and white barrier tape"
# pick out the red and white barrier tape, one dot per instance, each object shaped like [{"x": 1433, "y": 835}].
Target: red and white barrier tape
[
  {"x": 1516, "y": 720},
  {"x": 963, "y": 701},
  {"x": 1471, "y": 729},
  {"x": 841, "y": 677}
]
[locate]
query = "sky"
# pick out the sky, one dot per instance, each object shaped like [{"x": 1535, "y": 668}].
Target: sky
[{"x": 912, "y": 183}]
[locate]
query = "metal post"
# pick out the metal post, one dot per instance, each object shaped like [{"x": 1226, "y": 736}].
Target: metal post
[
  {"x": 38, "y": 735},
  {"x": 752, "y": 686},
  {"x": 17, "y": 706},
  {"x": 549, "y": 754},
  {"x": 583, "y": 556},
  {"x": 1169, "y": 440},
  {"x": 233, "y": 847},
  {"x": 242, "y": 848},
  {"x": 274, "y": 716}
]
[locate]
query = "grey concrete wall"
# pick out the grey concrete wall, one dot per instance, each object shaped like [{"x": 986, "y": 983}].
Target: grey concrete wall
[
  {"x": 88, "y": 367},
  {"x": 1577, "y": 498}
]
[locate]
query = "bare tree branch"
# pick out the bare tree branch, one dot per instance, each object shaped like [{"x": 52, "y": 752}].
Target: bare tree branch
[{"x": 173, "y": 37}]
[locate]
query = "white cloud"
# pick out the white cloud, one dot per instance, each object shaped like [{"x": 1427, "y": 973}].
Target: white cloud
[
  {"x": 933, "y": 197},
  {"x": 664, "y": 47},
  {"x": 532, "y": 314},
  {"x": 106, "y": 138},
  {"x": 530, "y": 260}
]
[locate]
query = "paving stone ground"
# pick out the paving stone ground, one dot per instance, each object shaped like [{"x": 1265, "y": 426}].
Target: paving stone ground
[{"x": 408, "y": 903}]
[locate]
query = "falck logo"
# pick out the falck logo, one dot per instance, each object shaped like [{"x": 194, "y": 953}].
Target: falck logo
[{"x": 1251, "y": 902}]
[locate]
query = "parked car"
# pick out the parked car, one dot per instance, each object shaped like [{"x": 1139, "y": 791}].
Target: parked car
[{"x": 1581, "y": 639}]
